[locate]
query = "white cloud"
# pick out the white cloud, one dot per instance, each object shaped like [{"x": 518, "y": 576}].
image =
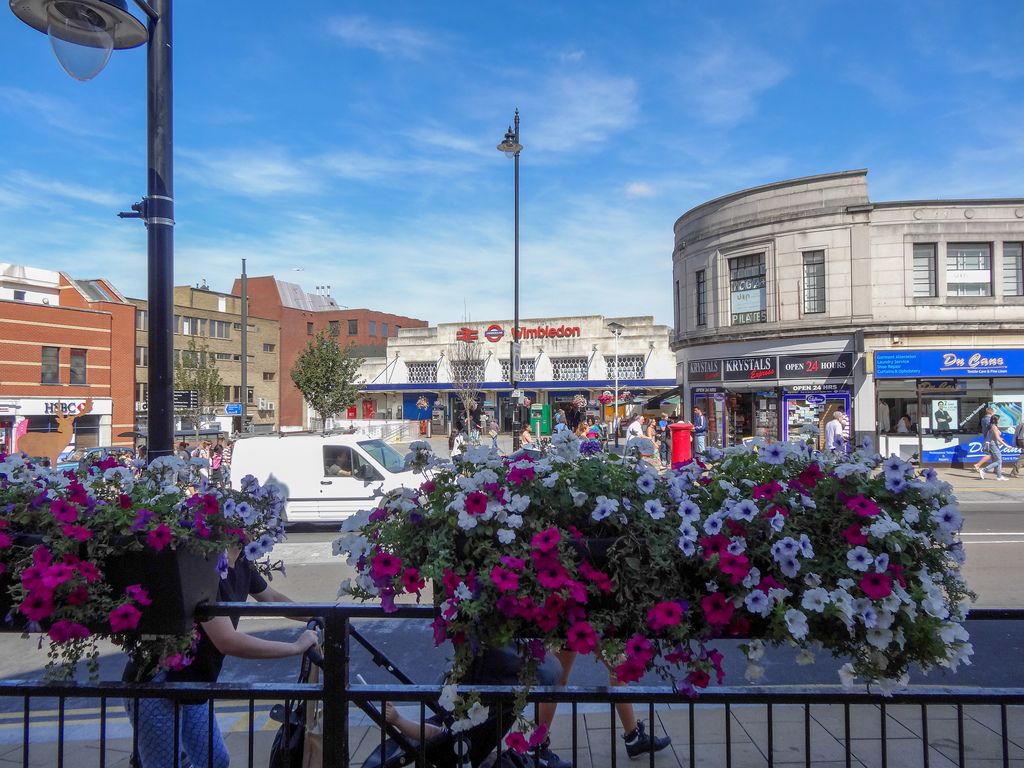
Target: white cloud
[
  {"x": 572, "y": 56},
  {"x": 639, "y": 189},
  {"x": 389, "y": 40},
  {"x": 577, "y": 113},
  {"x": 60, "y": 114},
  {"x": 19, "y": 182},
  {"x": 248, "y": 172},
  {"x": 724, "y": 80}
]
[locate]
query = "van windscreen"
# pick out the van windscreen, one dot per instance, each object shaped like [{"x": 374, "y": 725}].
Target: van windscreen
[{"x": 384, "y": 455}]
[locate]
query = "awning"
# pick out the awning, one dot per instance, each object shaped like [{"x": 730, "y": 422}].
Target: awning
[{"x": 664, "y": 397}]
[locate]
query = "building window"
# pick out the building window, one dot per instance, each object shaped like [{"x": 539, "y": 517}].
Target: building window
[
  {"x": 335, "y": 328},
  {"x": 467, "y": 371},
  {"x": 569, "y": 368},
  {"x": 968, "y": 269},
  {"x": 190, "y": 326},
  {"x": 373, "y": 327},
  {"x": 220, "y": 329},
  {"x": 141, "y": 320},
  {"x": 527, "y": 370},
  {"x": 309, "y": 329},
  {"x": 702, "y": 297},
  {"x": 225, "y": 394},
  {"x": 51, "y": 365},
  {"x": 141, "y": 392},
  {"x": 236, "y": 394},
  {"x": 353, "y": 327},
  {"x": 19, "y": 295},
  {"x": 268, "y": 375},
  {"x": 422, "y": 373},
  {"x": 222, "y": 356},
  {"x": 78, "y": 366},
  {"x": 814, "y": 282},
  {"x": 630, "y": 366},
  {"x": 250, "y": 395},
  {"x": 747, "y": 289},
  {"x": 1013, "y": 274},
  {"x": 269, "y": 347},
  {"x": 384, "y": 330},
  {"x": 924, "y": 270},
  {"x": 142, "y": 355}
]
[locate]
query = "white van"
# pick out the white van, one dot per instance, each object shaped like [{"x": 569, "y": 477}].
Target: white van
[{"x": 324, "y": 478}]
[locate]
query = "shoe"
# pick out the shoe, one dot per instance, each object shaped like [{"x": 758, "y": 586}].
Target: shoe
[
  {"x": 981, "y": 473},
  {"x": 1000, "y": 477},
  {"x": 639, "y": 742},
  {"x": 545, "y": 758}
]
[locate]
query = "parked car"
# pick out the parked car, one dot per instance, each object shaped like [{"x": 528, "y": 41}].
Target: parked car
[{"x": 325, "y": 478}]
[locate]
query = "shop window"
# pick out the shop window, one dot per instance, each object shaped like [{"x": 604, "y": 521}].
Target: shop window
[
  {"x": 747, "y": 289},
  {"x": 141, "y": 320},
  {"x": 51, "y": 366},
  {"x": 78, "y": 366},
  {"x": 1013, "y": 274},
  {"x": 353, "y": 327},
  {"x": 142, "y": 356},
  {"x": 701, "y": 299},
  {"x": 924, "y": 270},
  {"x": 814, "y": 282},
  {"x": 527, "y": 370},
  {"x": 422, "y": 373},
  {"x": 569, "y": 368},
  {"x": 630, "y": 366},
  {"x": 969, "y": 269}
]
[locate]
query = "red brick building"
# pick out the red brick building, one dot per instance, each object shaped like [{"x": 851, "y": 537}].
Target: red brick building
[
  {"x": 64, "y": 343},
  {"x": 302, "y": 315}
]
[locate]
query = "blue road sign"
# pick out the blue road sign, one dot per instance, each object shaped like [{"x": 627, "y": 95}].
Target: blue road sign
[{"x": 233, "y": 409}]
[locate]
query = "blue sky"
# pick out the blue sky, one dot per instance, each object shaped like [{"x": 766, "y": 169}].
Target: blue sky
[{"x": 353, "y": 144}]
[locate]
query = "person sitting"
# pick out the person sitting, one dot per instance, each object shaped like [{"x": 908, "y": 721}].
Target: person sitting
[{"x": 341, "y": 465}]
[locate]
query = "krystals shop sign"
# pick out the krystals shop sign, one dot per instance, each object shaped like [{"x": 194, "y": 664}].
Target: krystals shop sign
[
  {"x": 948, "y": 363},
  {"x": 788, "y": 367}
]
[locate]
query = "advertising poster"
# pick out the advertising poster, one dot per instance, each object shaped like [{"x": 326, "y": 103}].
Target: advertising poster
[{"x": 945, "y": 415}]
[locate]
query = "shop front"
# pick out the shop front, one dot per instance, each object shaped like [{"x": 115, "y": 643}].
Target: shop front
[
  {"x": 931, "y": 402},
  {"x": 766, "y": 398},
  {"x": 91, "y": 426}
]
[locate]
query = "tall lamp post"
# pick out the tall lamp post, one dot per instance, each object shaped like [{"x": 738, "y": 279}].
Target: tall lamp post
[
  {"x": 617, "y": 329},
  {"x": 82, "y": 34},
  {"x": 511, "y": 147}
]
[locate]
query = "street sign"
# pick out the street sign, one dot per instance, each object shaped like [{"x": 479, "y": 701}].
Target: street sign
[
  {"x": 515, "y": 360},
  {"x": 186, "y": 399},
  {"x": 517, "y": 394},
  {"x": 233, "y": 409}
]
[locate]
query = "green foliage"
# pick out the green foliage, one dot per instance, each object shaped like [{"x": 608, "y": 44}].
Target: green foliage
[
  {"x": 327, "y": 375},
  {"x": 196, "y": 369}
]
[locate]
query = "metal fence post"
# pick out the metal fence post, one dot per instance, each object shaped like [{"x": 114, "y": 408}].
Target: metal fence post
[{"x": 335, "y": 681}]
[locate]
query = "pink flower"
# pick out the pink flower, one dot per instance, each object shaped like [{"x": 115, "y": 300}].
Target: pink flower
[
  {"x": 699, "y": 678},
  {"x": 37, "y": 605},
  {"x": 428, "y": 486},
  {"x": 124, "y": 618},
  {"x": 412, "y": 581},
  {"x": 385, "y": 566},
  {"x": 714, "y": 545},
  {"x": 767, "y": 490},
  {"x": 735, "y": 566},
  {"x": 87, "y": 571},
  {"x": 79, "y": 532},
  {"x": 138, "y": 594},
  {"x": 552, "y": 575},
  {"x": 863, "y": 506},
  {"x": 520, "y": 475},
  {"x": 540, "y": 733},
  {"x": 639, "y": 648},
  {"x": 41, "y": 555},
  {"x": 517, "y": 742},
  {"x": 581, "y": 638},
  {"x": 513, "y": 563},
  {"x": 63, "y": 512},
  {"x": 876, "y": 586},
  {"x": 476, "y": 503},
  {"x": 809, "y": 477},
  {"x": 56, "y": 575},
  {"x": 5, "y": 541},
  {"x": 77, "y": 596},
  {"x": 159, "y": 537},
  {"x": 546, "y": 540},
  {"x": 504, "y": 580},
  {"x": 630, "y": 671},
  {"x": 62, "y": 631},
  {"x": 663, "y": 615},
  {"x": 717, "y": 610},
  {"x": 853, "y": 535}
]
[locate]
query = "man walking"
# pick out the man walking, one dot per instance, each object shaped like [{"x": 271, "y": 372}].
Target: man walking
[
  {"x": 834, "y": 439},
  {"x": 700, "y": 431}
]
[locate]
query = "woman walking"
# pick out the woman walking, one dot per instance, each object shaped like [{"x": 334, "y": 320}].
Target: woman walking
[{"x": 993, "y": 446}]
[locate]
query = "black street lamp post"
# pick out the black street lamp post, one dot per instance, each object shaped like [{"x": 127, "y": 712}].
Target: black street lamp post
[
  {"x": 82, "y": 33},
  {"x": 511, "y": 147}
]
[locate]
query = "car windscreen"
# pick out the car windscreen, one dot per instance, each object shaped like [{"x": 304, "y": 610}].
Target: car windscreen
[{"x": 384, "y": 455}]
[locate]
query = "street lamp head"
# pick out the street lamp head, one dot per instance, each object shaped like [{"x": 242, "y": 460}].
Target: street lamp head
[
  {"x": 616, "y": 328},
  {"x": 83, "y": 32},
  {"x": 510, "y": 144}
]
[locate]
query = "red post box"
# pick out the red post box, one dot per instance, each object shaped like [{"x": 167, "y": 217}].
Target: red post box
[{"x": 682, "y": 442}]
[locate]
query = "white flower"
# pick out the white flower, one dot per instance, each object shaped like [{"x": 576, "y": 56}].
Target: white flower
[
  {"x": 711, "y": 586},
  {"x": 882, "y": 527},
  {"x": 755, "y": 650},
  {"x": 847, "y": 676},
  {"x": 646, "y": 483},
  {"x": 505, "y": 536},
  {"x": 605, "y": 508},
  {"x": 881, "y": 563},
  {"x": 550, "y": 480},
  {"x": 728, "y": 487},
  {"x": 777, "y": 522},
  {"x": 757, "y": 602},
  {"x": 689, "y": 532},
  {"x": 879, "y": 637},
  {"x": 752, "y": 579},
  {"x": 461, "y": 725},
  {"x": 773, "y": 453},
  {"x": 514, "y": 521},
  {"x": 859, "y": 559},
  {"x": 796, "y": 623},
  {"x": 462, "y": 592},
  {"x": 804, "y": 657},
  {"x": 753, "y": 673},
  {"x": 655, "y": 509},
  {"x": 687, "y": 546},
  {"x": 467, "y": 521},
  {"x": 948, "y": 518},
  {"x": 689, "y": 511},
  {"x": 449, "y": 697},
  {"x": 911, "y": 514},
  {"x": 518, "y": 503},
  {"x": 478, "y": 714},
  {"x": 815, "y": 600},
  {"x": 806, "y": 550},
  {"x": 888, "y": 686},
  {"x": 744, "y": 510},
  {"x": 579, "y": 498},
  {"x": 713, "y": 525}
]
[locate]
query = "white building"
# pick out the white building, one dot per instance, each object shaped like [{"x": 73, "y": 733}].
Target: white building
[
  {"x": 560, "y": 358},
  {"x": 798, "y": 298}
]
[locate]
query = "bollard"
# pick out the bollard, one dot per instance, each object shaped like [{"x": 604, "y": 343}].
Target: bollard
[{"x": 682, "y": 442}]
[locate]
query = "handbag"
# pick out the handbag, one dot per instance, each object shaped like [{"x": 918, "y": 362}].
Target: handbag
[{"x": 298, "y": 742}]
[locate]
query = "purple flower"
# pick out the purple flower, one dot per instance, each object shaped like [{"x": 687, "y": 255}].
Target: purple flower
[
  {"x": 590, "y": 447},
  {"x": 142, "y": 517}
]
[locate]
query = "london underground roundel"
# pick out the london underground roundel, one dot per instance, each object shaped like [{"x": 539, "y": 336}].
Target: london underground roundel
[{"x": 494, "y": 333}]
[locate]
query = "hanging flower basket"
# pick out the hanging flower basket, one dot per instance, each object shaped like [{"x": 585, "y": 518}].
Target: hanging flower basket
[
  {"x": 579, "y": 402},
  {"x": 422, "y": 404},
  {"x": 605, "y": 397},
  {"x": 603, "y": 554}
]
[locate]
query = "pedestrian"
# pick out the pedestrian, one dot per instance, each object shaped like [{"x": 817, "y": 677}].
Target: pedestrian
[
  {"x": 834, "y": 440},
  {"x": 198, "y": 734},
  {"x": 993, "y": 446},
  {"x": 183, "y": 452},
  {"x": 1018, "y": 441},
  {"x": 492, "y": 430},
  {"x": 635, "y": 428},
  {"x": 663, "y": 436},
  {"x": 217, "y": 463},
  {"x": 985, "y": 419},
  {"x": 526, "y": 438},
  {"x": 700, "y": 431}
]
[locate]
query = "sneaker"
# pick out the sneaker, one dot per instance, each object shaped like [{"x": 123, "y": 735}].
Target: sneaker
[
  {"x": 639, "y": 742},
  {"x": 545, "y": 758},
  {"x": 981, "y": 473},
  {"x": 1000, "y": 477}
]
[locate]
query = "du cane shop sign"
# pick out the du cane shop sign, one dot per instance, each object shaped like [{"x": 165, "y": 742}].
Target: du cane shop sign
[{"x": 951, "y": 363}]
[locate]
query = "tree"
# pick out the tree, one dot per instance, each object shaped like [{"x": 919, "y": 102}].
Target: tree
[
  {"x": 196, "y": 369},
  {"x": 327, "y": 375},
  {"x": 466, "y": 369}
]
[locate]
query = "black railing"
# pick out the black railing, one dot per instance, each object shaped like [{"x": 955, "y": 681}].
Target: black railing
[{"x": 756, "y": 725}]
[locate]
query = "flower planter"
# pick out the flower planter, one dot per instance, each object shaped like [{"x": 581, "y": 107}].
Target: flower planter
[{"x": 177, "y": 581}]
